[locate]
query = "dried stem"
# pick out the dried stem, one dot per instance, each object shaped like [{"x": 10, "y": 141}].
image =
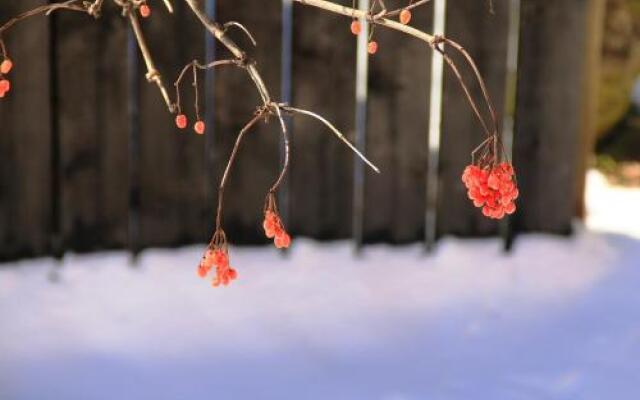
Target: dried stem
[
  {"x": 373, "y": 19},
  {"x": 382, "y": 19},
  {"x": 46, "y": 10},
  {"x": 177, "y": 106},
  {"x": 409, "y": 7},
  {"x": 260, "y": 114},
  {"x": 152, "y": 72},
  {"x": 334, "y": 130}
]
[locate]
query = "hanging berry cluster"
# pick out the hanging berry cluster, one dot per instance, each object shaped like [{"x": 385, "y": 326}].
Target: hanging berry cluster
[
  {"x": 404, "y": 15},
  {"x": 217, "y": 255},
  {"x": 491, "y": 186},
  {"x": 273, "y": 227},
  {"x": 5, "y": 67}
]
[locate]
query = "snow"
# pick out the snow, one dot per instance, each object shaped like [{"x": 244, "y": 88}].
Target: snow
[{"x": 559, "y": 318}]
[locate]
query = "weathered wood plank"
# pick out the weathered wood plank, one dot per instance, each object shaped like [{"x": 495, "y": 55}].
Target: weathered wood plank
[
  {"x": 25, "y": 139},
  {"x": 547, "y": 116},
  {"x": 397, "y": 131},
  {"x": 92, "y": 118},
  {"x": 324, "y": 82},
  {"x": 172, "y": 175}
]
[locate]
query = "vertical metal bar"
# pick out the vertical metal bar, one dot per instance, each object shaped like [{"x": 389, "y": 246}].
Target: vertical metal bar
[
  {"x": 435, "y": 130},
  {"x": 506, "y": 226},
  {"x": 362, "y": 89},
  {"x": 286, "y": 94},
  {"x": 57, "y": 240},
  {"x": 209, "y": 116},
  {"x": 134, "y": 144}
]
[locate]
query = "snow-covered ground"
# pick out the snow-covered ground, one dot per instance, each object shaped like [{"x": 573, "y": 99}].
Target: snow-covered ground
[{"x": 556, "y": 319}]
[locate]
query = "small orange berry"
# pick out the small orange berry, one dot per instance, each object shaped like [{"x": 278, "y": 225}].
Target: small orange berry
[
  {"x": 356, "y": 28},
  {"x": 181, "y": 121},
  {"x": 6, "y": 66},
  {"x": 233, "y": 274},
  {"x": 199, "y": 127},
  {"x": 405, "y": 17},
  {"x": 372, "y": 48},
  {"x": 145, "y": 11},
  {"x": 510, "y": 208},
  {"x": 5, "y": 86}
]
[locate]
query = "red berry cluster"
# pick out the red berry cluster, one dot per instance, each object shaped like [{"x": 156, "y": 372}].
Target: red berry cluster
[
  {"x": 5, "y": 85},
  {"x": 492, "y": 188},
  {"x": 273, "y": 227},
  {"x": 220, "y": 259},
  {"x": 274, "y": 230}
]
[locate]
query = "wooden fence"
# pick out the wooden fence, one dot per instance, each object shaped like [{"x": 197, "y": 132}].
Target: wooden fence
[{"x": 90, "y": 158}]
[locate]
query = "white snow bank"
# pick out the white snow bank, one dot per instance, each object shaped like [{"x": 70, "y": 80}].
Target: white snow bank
[{"x": 556, "y": 319}]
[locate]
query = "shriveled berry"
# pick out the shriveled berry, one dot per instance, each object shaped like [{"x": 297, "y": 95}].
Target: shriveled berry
[
  {"x": 405, "y": 17},
  {"x": 356, "y": 27},
  {"x": 372, "y": 48},
  {"x": 6, "y": 66},
  {"x": 145, "y": 11},
  {"x": 199, "y": 127},
  {"x": 181, "y": 121}
]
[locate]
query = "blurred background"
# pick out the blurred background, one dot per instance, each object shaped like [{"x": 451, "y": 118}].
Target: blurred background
[{"x": 105, "y": 208}]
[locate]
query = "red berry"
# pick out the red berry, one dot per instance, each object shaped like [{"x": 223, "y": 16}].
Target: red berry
[
  {"x": 405, "y": 16},
  {"x": 494, "y": 181},
  {"x": 6, "y": 66},
  {"x": 199, "y": 127},
  {"x": 181, "y": 121},
  {"x": 269, "y": 229},
  {"x": 356, "y": 28},
  {"x": 202, "y": 271},
  {"x": 145, "y": 11},
  {"x": 372, "y": 48},
  {"x": 5, "y": 86},
  {"x": 510, "y": 208},
  {"x": 283, "y": 241},
  {"x": 233, "y": 274}
]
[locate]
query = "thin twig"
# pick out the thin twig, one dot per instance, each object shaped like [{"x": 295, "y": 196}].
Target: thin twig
[
  {"x": 177, "y": 106},
  {"x": 335, "y": 131},
  {"x": 409, "y": 7},
  {"x": 260, "y": 114},
  {"x": 152, "y": 72},
  {"x": 355, "y": 13},
  {"x": 243, "y": 29}
]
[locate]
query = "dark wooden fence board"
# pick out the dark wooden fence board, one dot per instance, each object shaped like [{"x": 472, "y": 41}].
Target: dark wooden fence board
[
  {"x": 324, "y": 82},
  {"x": 548, "y": 113},
  {"x": 484, "y": 36},
  {"x": 25, "y": 139},
  {"x": 91, "y": 112},
  {"x": 172, "y": 174},
  {"x": 397, "y": 134}
]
